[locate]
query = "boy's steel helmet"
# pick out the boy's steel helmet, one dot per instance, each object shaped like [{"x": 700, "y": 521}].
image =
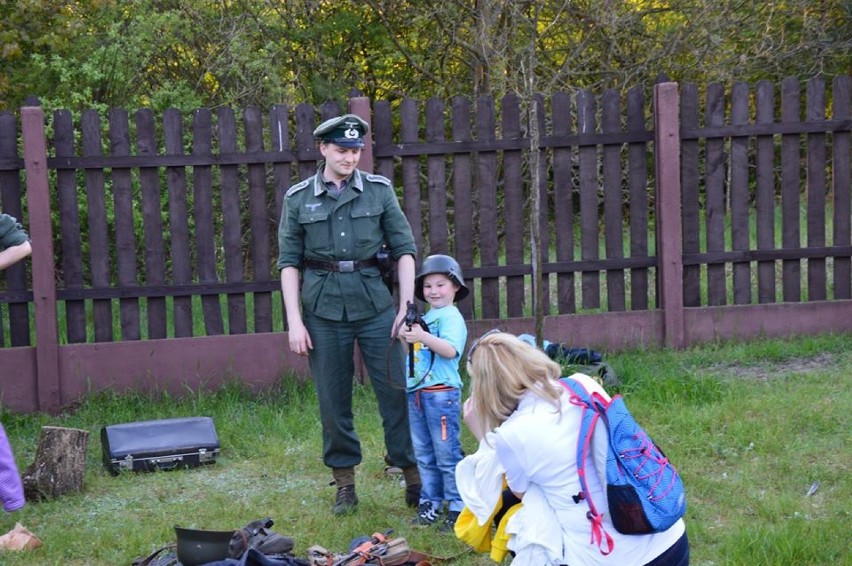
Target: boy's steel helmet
[{"x": 441, "y": 264}]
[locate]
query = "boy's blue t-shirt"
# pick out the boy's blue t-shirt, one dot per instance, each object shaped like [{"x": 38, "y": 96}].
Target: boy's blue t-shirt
[{"x": 448, "y": 324}]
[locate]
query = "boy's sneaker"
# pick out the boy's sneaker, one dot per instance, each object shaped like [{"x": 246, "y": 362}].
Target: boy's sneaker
[
  {"x": 448, "y": 525},
  {"x": 427, "y": 514}
]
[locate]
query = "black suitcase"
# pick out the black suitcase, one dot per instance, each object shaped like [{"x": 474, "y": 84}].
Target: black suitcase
[{"x": 164, "y": 444}]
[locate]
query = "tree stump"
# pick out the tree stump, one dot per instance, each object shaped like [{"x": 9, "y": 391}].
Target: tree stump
[{"x": 59, "y": 465}]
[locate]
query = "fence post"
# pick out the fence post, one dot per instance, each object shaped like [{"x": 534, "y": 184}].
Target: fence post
[
  {"x": 360, "y": 105},
  {"x": 669, "y": 221},
  {"x": 44, "y": 285}
]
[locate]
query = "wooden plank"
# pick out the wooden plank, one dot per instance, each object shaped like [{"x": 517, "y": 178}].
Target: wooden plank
[
  {"x": 612, "y": 183},
  {"x": 546, "y": 205},
  {"x": 179, "y": 235},
  {"x": 258, "y": 220},
  {"x": 690, "y": 195},
  {"x": 842, "y": 186},
  {"x": 513, "y": 205},
  {"x": 436, "y": 181},
  {"x": 765, "y": 189},
  {"x": 360, "y": 106},
  {"x": 563, "y": 209},
  {"x": 205, "y": 255},
  {"x": 715, "y": 171},
  {"x": 514, "y": 270},
  {"x": 669, "y": 245},
  {"x": 739, "y": 194},
  {"x": 311, "y": 153},
  {"x": 486, "y": 193},
  {"x": 463, "y": 200},
  {"x": 383, "y": 131},
  {"x": 790, "y": 171},
  {"x": 776, "y": 128},
  {"x": 639, "y": 189},
  {"x": 69, "y": 228},
  {"x": 232, "y": 230},
  {"x": 762, "y": 255},
  {"x": 816, "y": 188},
  {"x": 48, "y": 377},
  {"x": 152, "y": 223},
  {"x": 125, "y": 223},
  {"x": 411, "y": 200},
  {"x": 279, "y": 118},
  {"x": 305, "y": 138},
  {"x": 97, "y": 235},
  {"x": 589, "y": 221}
]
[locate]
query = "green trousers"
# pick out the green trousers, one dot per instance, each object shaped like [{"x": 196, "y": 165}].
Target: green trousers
[{"x": 333, "y": 370}]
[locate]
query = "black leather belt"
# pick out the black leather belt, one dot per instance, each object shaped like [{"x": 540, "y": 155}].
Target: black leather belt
[{"x": 347, "y": 266}]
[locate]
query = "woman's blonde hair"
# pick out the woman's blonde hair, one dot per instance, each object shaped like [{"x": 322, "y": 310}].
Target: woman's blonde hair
[{"x": 502, "y": 367}]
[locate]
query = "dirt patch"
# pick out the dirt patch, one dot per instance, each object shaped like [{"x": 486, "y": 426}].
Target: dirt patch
[{"x": 767, "y": 370}]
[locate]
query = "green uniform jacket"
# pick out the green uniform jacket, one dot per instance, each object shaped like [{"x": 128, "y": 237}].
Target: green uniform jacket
[{"x": 316, "y": 226}]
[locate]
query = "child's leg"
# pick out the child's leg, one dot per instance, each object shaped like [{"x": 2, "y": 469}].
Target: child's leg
[
  {"x": 11, "y": 488},
  {"x": 443, "y": 415}
]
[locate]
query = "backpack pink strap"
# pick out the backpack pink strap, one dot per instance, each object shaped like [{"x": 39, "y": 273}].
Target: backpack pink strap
[
  {"x": 599, "y": 534},
  {"x": 591, "y": 413}
]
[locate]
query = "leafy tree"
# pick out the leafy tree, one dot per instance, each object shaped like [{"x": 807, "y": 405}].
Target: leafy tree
[{"x": 190, "y": 53}]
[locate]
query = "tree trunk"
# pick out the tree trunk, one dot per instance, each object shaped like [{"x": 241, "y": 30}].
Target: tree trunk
[{"x": 59, "y": 465}]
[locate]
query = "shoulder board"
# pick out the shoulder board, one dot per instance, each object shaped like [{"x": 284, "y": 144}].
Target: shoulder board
[
  {"x": 296, "y": 188},
  {"x": 378, "y": 179}
]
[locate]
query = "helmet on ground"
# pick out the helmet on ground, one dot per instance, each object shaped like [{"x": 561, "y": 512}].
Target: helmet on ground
[
  {"x": 441, "y": 264},
  {"x": 196, "y": 546}
]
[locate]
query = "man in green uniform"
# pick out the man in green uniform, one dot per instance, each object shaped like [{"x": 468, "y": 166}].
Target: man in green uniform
[{"x": 332, "y": 225}]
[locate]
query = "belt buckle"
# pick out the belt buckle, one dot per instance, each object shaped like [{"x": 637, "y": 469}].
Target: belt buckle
[{"x": 347, "y": 266}]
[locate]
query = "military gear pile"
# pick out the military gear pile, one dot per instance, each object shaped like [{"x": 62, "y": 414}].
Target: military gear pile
[
  {"x": 256, "y": 545},
  {"x": 257, "y": 535},
  {"x": 376, "y": 550}
]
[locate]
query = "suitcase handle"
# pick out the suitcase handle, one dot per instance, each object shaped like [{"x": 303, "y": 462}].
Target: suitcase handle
[{"x": 167, "y": 463}]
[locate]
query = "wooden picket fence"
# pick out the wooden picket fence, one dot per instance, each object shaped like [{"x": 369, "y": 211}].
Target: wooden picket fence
[{"x": 694, "y": 216}]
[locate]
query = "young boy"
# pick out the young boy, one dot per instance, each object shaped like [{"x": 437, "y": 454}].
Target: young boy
[
  {"x": 434, "y": 388},
  {"x": 14, "y": 246}
]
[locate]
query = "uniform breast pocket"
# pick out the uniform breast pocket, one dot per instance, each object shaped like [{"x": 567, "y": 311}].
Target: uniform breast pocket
[
  {"x": 317, "y": 230},
  {"x": 367, "y": 222}
]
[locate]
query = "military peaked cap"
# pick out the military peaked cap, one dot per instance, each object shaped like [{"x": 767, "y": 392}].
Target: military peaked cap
[{"x": 346, "y": 131}]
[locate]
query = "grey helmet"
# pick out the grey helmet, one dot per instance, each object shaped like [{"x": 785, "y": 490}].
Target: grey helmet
[
  {"x": 441, "y": 264},
  {"x": 197, "y": 546}
]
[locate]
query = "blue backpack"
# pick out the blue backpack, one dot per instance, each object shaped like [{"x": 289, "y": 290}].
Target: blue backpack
[{"x": 644, "y": 490}]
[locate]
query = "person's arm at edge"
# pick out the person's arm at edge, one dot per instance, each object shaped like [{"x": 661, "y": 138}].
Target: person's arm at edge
[{"x": 14, "y": 254}]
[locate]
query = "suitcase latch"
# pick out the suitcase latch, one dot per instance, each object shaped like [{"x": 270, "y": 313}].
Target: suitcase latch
[
  {"x": 204, "y": 456},
  {"x": 126, "y": 463}
]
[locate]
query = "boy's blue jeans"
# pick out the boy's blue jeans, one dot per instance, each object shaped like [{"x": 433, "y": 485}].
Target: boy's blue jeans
[{"x": 435, "y": 428}]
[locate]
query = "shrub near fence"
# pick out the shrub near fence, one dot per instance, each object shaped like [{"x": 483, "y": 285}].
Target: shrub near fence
[{"x": 162, "y": 264}]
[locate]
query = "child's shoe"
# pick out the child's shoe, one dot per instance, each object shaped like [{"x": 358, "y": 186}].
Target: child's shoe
[
  {"x": 427, "y": 514},
  {"x": 449, "y": 523}
]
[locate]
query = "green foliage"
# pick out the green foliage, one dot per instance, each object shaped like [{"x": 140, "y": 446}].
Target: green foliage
[
  {"x": 189, "y": 54},
  {"x": 751, "y": 426}
]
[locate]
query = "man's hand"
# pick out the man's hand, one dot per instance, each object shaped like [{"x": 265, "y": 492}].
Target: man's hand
[
  {"x": 398, "y": 323},
  {"x": 300, "y": 340}
]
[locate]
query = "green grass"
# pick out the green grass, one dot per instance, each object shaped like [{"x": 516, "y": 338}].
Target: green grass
[{"x": 751, "y": 426}]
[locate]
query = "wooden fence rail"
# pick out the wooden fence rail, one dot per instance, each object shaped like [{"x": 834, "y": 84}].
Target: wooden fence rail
[{"x": 698, "y": 215}]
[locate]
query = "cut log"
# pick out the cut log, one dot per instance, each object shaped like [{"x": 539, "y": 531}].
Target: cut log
[{"x": 59, "y": 465}]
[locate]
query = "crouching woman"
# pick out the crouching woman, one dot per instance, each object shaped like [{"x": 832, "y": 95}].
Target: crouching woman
[{"x": 528, "y": 433}]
